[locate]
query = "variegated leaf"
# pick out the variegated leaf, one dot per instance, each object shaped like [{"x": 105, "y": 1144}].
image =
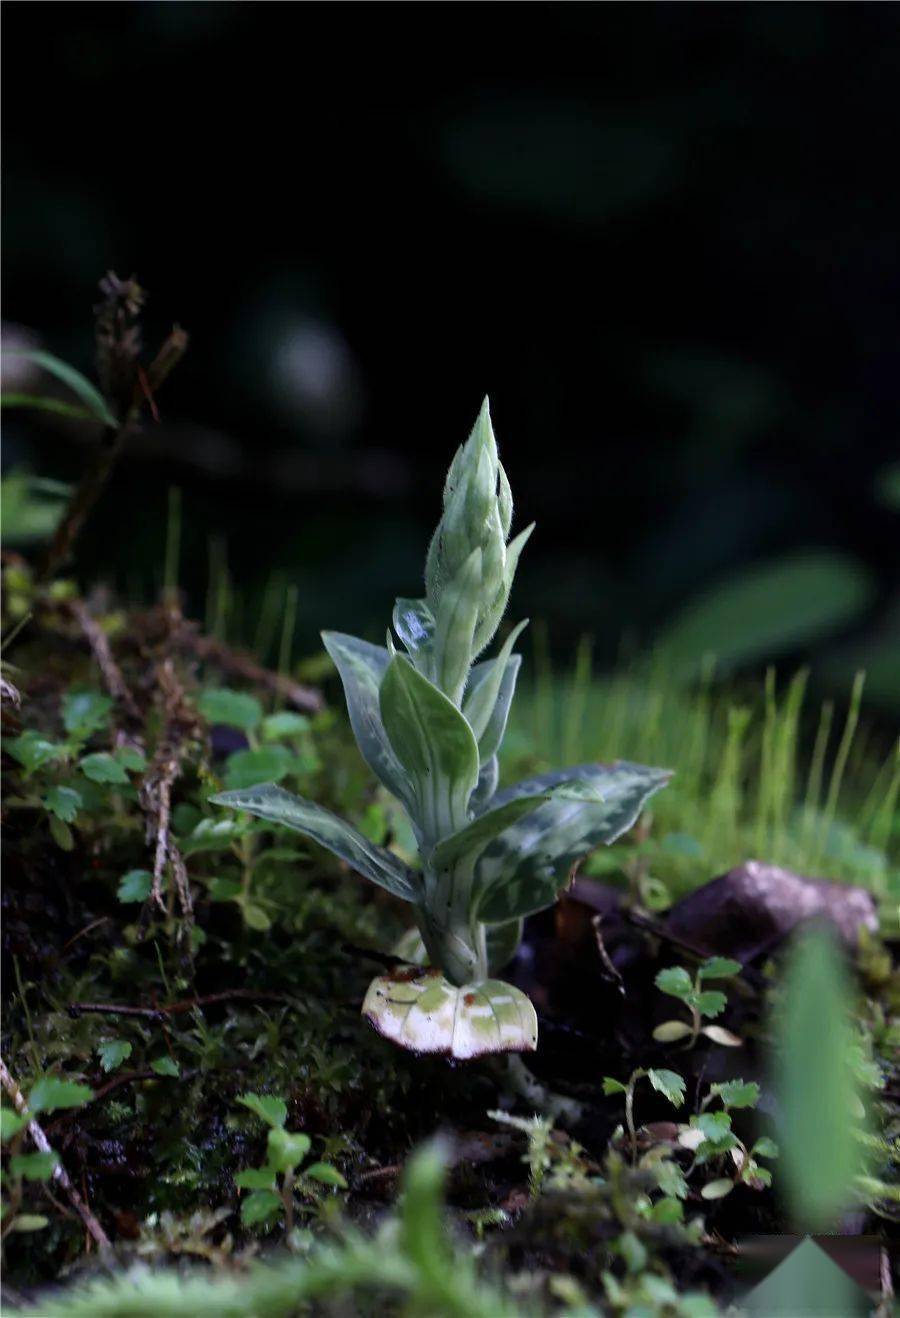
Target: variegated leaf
[
  {"x": 489, "y": 695},
  {"x": 433, "y": 743},
  {"x": 502, "y": 944},
  {"x": 421, "y": 1011},
  {"x": 488, "y": 777},
  {"x": 280, "y": 807},
  {"x": 362, "y": 667},
  {"x": 525, "y": 867}
]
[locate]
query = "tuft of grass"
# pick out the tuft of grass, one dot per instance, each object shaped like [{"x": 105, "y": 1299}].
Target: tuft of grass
[{"x": 760, "y": 773}]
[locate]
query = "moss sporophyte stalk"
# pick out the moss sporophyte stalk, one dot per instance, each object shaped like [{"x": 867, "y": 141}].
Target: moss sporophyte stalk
[{"x": 429, "y": 721}]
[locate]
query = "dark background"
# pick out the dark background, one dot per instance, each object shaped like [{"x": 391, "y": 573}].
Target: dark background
[{"x": 664, "y": 238}]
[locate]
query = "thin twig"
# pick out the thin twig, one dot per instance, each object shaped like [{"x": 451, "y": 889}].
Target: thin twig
[
  {"x": 100, "y": 648},
  {"x": 175, "y": 1008},
  {"x": 59, "y": 1173},
  {"x": 237, "y": 664}
]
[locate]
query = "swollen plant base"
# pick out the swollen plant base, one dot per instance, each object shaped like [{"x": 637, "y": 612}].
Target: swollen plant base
[{"x": 418, "y": 1009}]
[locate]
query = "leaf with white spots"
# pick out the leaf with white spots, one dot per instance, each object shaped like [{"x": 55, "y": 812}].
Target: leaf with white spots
[{"x": 421, "y": 1011}]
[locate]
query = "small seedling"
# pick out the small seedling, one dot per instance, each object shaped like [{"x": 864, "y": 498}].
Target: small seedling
[
  {"x": 48, "y": 1094},
  {"x": 430, "y": 722},
  {"x": 274, "y": 1184},
  {"x": 711, "y": 1139},
  {"x": 668, "y": 1083},
  {"x": 701, "y": 1002}
]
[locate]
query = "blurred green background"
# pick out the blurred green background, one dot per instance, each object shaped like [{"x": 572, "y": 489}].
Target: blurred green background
[{"x": 662, "y": 237}]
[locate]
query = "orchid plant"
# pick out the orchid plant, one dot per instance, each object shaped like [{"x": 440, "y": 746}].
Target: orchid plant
[{"x": 429, "y": 721}]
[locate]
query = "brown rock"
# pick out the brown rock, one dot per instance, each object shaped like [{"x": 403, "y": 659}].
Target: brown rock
[{"x": 755, "y": 906}]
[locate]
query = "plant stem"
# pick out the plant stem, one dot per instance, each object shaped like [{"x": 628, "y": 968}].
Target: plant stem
[{"x": 629, "y": 1111}]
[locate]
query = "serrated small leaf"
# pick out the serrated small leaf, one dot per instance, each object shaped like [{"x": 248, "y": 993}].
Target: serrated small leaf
[
  {"x": 719, "y": 967},
  {"x": 131, "y": 758},
  {"x": 269, "y": 1107},
  {"x": 667, "y": 1212},
  {"x": 676, "y": 982},
  {"x": 737, "y": 1093},
  {"x": 112, "y": 1053},
  {"x": 713, "y": 1126},
  {"x": 668, "y": 1083},
  {"x": 611, "y": 1086},
  {"x": 33, "y": 750},
  {"x": 671, "y": 1179},
  {"x": 717, "y": 1189},
  {"x": 165, "y": 1066},
  {"x": 259, "y": 1207},
  {"x": 101, "y": 767},
  {"x": 50, "y": 1093},
  {"x": 671, "y": 1031},
  {"x": 135, "y": 886},
  {"x": 764, "y": 1148},
  {"x": 720, "y": 1035},
  {"x": 287, "y": 1149},
  {"x": 85, "y": 712},
  {"x": 214, "y": 835},
  {"x": 62, "y": 802},
  {"x": 710, "y": 1002},
  {"x": 325, "y": 1174},
  {"x": 230, "y": 709},
  {"x": 34, "y": 1166}
]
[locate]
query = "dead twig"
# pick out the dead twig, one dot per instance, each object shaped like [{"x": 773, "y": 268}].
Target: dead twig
[
  {"x": 237, "y": 664},
  {"x": 59, "y": 1173},
  {"x": 159, "y": 1013},
  {"x": 110, "y": 671}
]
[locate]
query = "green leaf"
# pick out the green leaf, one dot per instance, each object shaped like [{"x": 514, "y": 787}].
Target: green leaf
[
  {"x": 131, "y": 759},
  {"x": 325, "y": 1174},
  {"x": 50, "y": 1093},
  {"x": 502, "y": 944},
  {"x": 611, "y": 1086},
  {"x": 214, "y": 835},
  {"x": 710, "y": 1002},
  {"x": 62, "y": 802},
  {"x": 715, "y": 1127},
  {"x": 256, "y": 918},
  {"x": 85, "y": 712},
  {"x": 767, "y": 609},
  {"x": 717, "y": 1189},
  {"x": 225, "y": 890},
  {"x": 61, "y": 834},
  {"x": 90, "y": 396},
  {"x": 256, "y": 1178},
  {"x": 455, "y": 619},
  {"x": 671, "y": 1031},
  {"x": 737, "y": 1093},
  {"x": 490, "y": 693},
  {"x": 433, "y": 743},
  {"x": 719, "y": 967},
  {"x": 251, "y": 767},
  {"x": 525, "y": 867},
  {"x": 230, "y": 709},
  {"x": 102, "y": 768},
  {"x": 764, "y": 1148},
  {"x": 165, "y": 1066},
  {"x": 816, "y": 1084},
  {"x": 468, "y": 844},
  {"x": 113, "y": 1052},
  {"x": 362, "y": 668},
  {"x": 29, "y": 1222},
  {"x": 668, "y": 1083},
  {"x": 283, "y": 725},
  {"x": 135, "y": 886},
  {"x": 287, "y": 1149},
  {"x": 10, "y": 1124},
  {"x": 671, "y": 1179},
  {"x": 272, "y": 1109},
  {"x": 263, "y": 1206},
  {"x": 676, "y": 982},
  {"x": 33, "y": 750},
  {"x": 43, "y": 403},
  {"x": 34, "y": 1166},
  {"x": 280, "y": 807}
]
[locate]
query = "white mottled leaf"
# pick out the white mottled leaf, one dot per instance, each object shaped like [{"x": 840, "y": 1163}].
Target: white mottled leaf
[{"x": 421, "y": 1011}]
